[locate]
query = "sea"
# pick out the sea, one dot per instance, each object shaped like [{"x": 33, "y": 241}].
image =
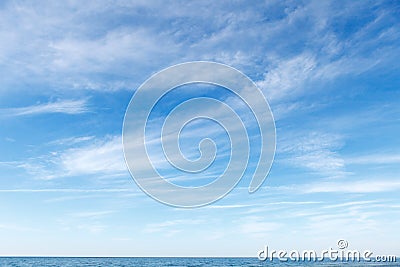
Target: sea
[{"x": 171, "y": 262}]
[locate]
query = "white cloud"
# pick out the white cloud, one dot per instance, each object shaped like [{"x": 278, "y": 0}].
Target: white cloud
[
  {"x": 360, "y": 186},
  {"x": 288, "y": 77},
  {"x": 280, "y": 206},
  {"x": 115, "y": 46},
  {"x": 62, "y": 106},
  {"x": 365, "y": 203},
  {"x": 67, "y": 190},
  {"x": 316, "y": 151},
  {"x": 88, "y": 156},
  {"x": 235, "y": 206},
  {"x": 374, "y": 159},
  {"x": 102, "y": 156},
  {"x": 340, "y": 186},
  {"x": 70, "y": 46},
  {"x": 71, "y": 140},
  {"x": 38, "y": 168}
]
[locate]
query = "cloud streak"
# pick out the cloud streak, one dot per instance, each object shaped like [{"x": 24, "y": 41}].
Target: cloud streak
[
  {"x": 68, "y": 190},
  {"x": 361, "y": 186},
  {"x": 70, "y": 107}
]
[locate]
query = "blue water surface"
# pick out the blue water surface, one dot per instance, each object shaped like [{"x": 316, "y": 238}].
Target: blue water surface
[{"x": 175, "y": 262}]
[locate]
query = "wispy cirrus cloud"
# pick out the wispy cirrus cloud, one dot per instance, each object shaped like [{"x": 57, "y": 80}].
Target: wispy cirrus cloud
[
  {"x": 288, "y": 77},
  {"x": 358, "y": 186},
  {"x": 71, "y": 107},
  {"x": 100, "y": 156},
  {"x": 378, "y": 158},
  {"x": 341, "y": 186},
  {"x": 68, "y": 190},
  {"x": 79, "y": 156},
  {"x": 71, "y": 140},
  {"x": 316, "y": 151},
  {"x": 80, "y": 54}
]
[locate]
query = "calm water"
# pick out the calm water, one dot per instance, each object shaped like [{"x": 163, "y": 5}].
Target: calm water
[{"x": 173, "y": 262}]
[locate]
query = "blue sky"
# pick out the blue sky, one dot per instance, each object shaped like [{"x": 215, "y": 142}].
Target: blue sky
[{"x": 330, "y": 71}]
